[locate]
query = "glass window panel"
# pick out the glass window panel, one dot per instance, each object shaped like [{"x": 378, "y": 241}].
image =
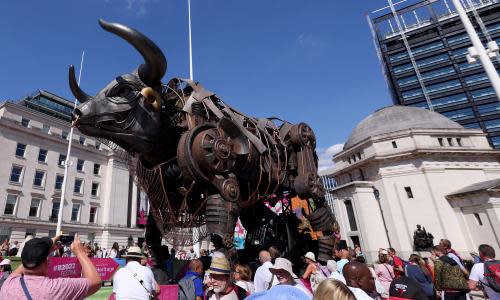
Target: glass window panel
[
  {"x": 402, "y": 68},
  {"x": 35, "y": 204},
  {"x": 55, "y": 211},
  {"x": 82, "y": 140},
  {"x": 93, "y": 214},
  {"x": 398, "y": 56},
  {"x": 16, "y": 174},
  {"x": 432, "y": 60},
  {"x": 460, "y": 52},
  {"x": 412, "y": 93},
  {"x": 407, "y": 80},
  {"x": 59, "y": 182},
  {"x": 39, "y": 178},
  {"x": 64, "y": 135},
  {"x": 488, "y": 109},
  {"x": 20, "y": 149},
  {"x": 10, "y": 205},
  {"x": 482, "y": 93},
  {"x": 476, "y": 79},
  {"x": 422, "y": 104},
  {"x": 97, "y": 169},
  {"x": 350, "y": 215},
  {"x": 466, "y": 66},
  {"x": 77, "y": 189},
  {"x": 75, "y": 212},
  {"x": 453, "y": 99},
  {"x": 42, "y": 155},
  {"x": 427, "y": 48},
  {"x": 79, "y": 164},
  {"x": 493, "y": 28},
  {"x": 443, "y": 86},
  {"x": 45, "y": 128},
  {"x": 492, "y": 125},
  {"x": 495, "y": 141},
  {"x": 472, "y": 126},
  {"x": 460, "y": 114},
  {"x": 25, "y": 122},
  {"x": 457, "y": 39},
  {"x": 438, "y": 73},
  {"x": 61, "y": 160},
  {"x": 95, "y": 189}
]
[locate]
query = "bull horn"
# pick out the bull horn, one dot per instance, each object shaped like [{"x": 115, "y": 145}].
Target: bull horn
[
  {"x": 153, "y": 97},
  {"x": 155, "y": 66},
  {"x": 75, "y": 89}
]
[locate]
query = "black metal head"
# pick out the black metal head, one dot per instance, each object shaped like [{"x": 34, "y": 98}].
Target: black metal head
[{"x": 127, "y": 110}]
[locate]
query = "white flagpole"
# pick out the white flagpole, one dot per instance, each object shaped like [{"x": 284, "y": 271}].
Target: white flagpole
[
  {"x": 66, "y": 163},
  {"x": 190, "y": 43}
]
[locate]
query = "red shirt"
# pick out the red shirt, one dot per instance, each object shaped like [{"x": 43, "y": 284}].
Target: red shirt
[{"x": 397, "y": 262}]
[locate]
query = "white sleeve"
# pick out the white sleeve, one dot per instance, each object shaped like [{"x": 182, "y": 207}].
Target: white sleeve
[
  {"x": 475, "y": 273},
  {"x": 457, "y": 260}
]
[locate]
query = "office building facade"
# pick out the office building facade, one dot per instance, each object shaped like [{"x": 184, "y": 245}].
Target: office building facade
[
  {"x": 423, "y": 55},
  {"x": 99, "y": 199}
]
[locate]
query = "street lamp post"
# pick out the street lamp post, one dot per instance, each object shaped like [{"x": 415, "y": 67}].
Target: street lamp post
[{"x": 376, "y": 193}]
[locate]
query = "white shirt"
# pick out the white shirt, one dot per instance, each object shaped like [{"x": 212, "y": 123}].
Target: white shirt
[
  {"x": 246, "y": 285},
  {"x": 340, "y": 265},
  {"x": 262, "y": 277},
  {"x": 337, "y": 276},
  {"x": 477, "y": 274},
  {"x": 359, "y": 293},
  {"x": 127, "y": 287}
]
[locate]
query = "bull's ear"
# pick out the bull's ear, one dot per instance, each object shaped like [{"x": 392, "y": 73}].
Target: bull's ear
[{"x": 152, "y": 97}]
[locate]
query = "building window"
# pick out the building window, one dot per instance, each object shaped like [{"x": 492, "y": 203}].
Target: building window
[
  {"x": 350, "y": 215},
  {"x": 59, "y": 182},
  {"x": 78, "y": 188},
  {"x": 34, "y": 207},
  {"x": 55, "y": 211},
  {"x": 489, "y": 109},
  {"x": 440, "y": 140},
  {"x": 75, "y": 212},
  {"x": 359, "y": 156},
  {"x": 93, "y": 214},
  {"x": 97, "y": 169},
  {"x": 394, "y": 145},
  {"x": 79, "y": 165},
  {"x": 409, "y": 193},
  {"x": 30, "y": 231},
  {"x": 5, "y": 233},
  {"x": 45, "y": 128},
  {"x": 25, "y": 122},
  {"x": 349, "y": 160},
  {"x": 97, "y": 145},
  {"x": 478, "y": 219},
  {"x": 64, "y": 135},
  {"x": 39, "y": 179},
  {"x": 62, "y": 159},
  {"x": 20, "y": 149},
  {"x": 42, "y": 155},
  {"x": 459, "y": 142},
  {"x": 82, "y": 140},
  {"x": 450, "y": 141},
  {"x": 95, "y": 189},
  {"x": 16, "y": 174},
  {"x": 10, "y": 205},
  {"x": 460, "y": 114}
]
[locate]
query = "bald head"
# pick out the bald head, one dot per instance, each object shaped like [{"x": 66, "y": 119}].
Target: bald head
[
  {"x": 196, "y": 266},
  {"x": 264, "y": 256},
  {"x": 359, "y": 276}
]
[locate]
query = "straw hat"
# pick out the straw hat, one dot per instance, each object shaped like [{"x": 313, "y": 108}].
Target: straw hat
[
  {"x": 220, "y": 265},
  {"x": 311, "y": 256},
  {"x": 282, "y": 264},
  {"x": 134, "y": 251}
]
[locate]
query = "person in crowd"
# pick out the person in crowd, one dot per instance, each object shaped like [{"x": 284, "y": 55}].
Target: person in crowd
[
  {"x": 243, "y": 277},
  {"x": 122, "y": 251},
  {"x": 477, "y": 278},
  {"x": 274, "y": 252},
  {"x": 383, "y": 270},
  {"x": 14, "y": 249},
  {"x": 191, "y": 285},
  {"x": 5, "y": 271},
  {"x": 397, "y": 263},
  {"x": 220, "y": 286},
  {"x": 113, "y": 252},
  {"x": 450, "y": 281},
  {"x": 406, "y": 288},
  {"x": 359, "y": 280},
  {"x": 280, "y": 292},
  {"x": 134, "y": 281},
  {"x": 30, "y": 279},
  {"x": 331, "y": 289},
  {"x": 334, "y": 273},
  {"x": 451, "y": 253},
  {"x": 4, "y": 248},
  {"x": 358, "y": 251},
  {"x": 263, "y": 277},
  {"x": 416, "y": 270},
  {"x": 313, "y": 272},
  {"x": 283, "y": 271},
  {"x": 342, "y": 253}
]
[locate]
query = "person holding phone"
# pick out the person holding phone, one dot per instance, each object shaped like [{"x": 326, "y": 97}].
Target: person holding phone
[{"x": 30, "y": 281}]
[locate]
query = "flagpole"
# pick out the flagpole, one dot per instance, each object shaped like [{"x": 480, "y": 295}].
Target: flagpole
[
  {"x": 66, "y": 162},
  {"x": 190, "y": 43}
]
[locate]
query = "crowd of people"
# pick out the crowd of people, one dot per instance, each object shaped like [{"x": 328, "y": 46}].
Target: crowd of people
[{"x": 220, "y": 275}]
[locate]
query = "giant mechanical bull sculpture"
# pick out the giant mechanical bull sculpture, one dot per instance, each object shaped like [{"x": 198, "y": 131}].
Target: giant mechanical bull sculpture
[{"x": 201, "y": 162}]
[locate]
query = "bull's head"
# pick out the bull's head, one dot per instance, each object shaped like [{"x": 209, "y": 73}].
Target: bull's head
[{"x": 128, "y": 110}]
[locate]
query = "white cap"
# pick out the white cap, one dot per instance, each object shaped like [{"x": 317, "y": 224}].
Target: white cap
[
  {"x": 5, "y": 262},
  {"x": 311, "y": 256},
  {"x": 282, "y": 264}
]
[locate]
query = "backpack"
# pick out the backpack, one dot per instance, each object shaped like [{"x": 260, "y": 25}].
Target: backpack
[
  {"x": 186, "y": 288},
  {"x": 492, "y": 274}
]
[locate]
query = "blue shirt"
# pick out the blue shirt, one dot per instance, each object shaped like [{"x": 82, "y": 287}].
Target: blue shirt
[{"x": 198, "y": 283}]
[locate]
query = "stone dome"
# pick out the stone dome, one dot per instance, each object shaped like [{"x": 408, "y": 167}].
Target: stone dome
[{"x": 394, "y": 118}]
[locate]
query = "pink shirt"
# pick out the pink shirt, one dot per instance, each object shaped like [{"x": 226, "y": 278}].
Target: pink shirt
[
  {"x": 44, "y": 288},
  {"x": 385, "y": 274}
]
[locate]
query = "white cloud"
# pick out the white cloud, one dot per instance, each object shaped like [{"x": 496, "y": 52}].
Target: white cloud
[
  {"x": 325, "y": 163},
  {"x": 307, "y": 41},
  {"x": 139, "y": 6}
]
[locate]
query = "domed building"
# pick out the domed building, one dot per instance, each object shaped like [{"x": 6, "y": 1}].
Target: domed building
[{"x": 406, "y": 166}]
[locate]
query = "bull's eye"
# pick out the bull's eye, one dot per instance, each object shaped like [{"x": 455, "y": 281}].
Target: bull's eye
[{"x": 123, "y": 91}]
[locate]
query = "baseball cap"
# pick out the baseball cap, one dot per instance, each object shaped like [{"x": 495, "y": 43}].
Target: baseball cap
[
  {"x": 35, "y": 252},
  {"x": 406, "y": 288}
]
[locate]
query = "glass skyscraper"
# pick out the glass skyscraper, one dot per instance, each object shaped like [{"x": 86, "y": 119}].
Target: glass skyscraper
[{"x": 423, "y": 53}]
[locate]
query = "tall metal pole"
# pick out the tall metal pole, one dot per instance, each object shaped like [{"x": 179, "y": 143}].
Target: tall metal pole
[
  {"x": 190, "y": 43},
  {"x": 66, "y": 163},
  {"x": 488, "y": 66}
]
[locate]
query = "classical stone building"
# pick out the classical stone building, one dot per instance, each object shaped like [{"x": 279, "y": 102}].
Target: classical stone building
[
  {"x": 406, "y": 166},
  {"x": 101, "y": 199}
]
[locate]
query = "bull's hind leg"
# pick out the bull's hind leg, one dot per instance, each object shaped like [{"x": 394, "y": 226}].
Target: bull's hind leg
[
  {"x": 153, "y": 239},
  {"x": 221, "y": 216}
]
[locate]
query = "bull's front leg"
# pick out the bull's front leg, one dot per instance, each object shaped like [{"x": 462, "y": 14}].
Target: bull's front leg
[{"x": 221, "y": 216}]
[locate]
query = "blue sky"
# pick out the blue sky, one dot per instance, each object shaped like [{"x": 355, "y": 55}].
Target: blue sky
[{"x": 311, "y": 61}]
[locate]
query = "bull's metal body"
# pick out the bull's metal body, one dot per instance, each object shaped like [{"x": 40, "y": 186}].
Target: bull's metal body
[{"x": 201, "y": 162}]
